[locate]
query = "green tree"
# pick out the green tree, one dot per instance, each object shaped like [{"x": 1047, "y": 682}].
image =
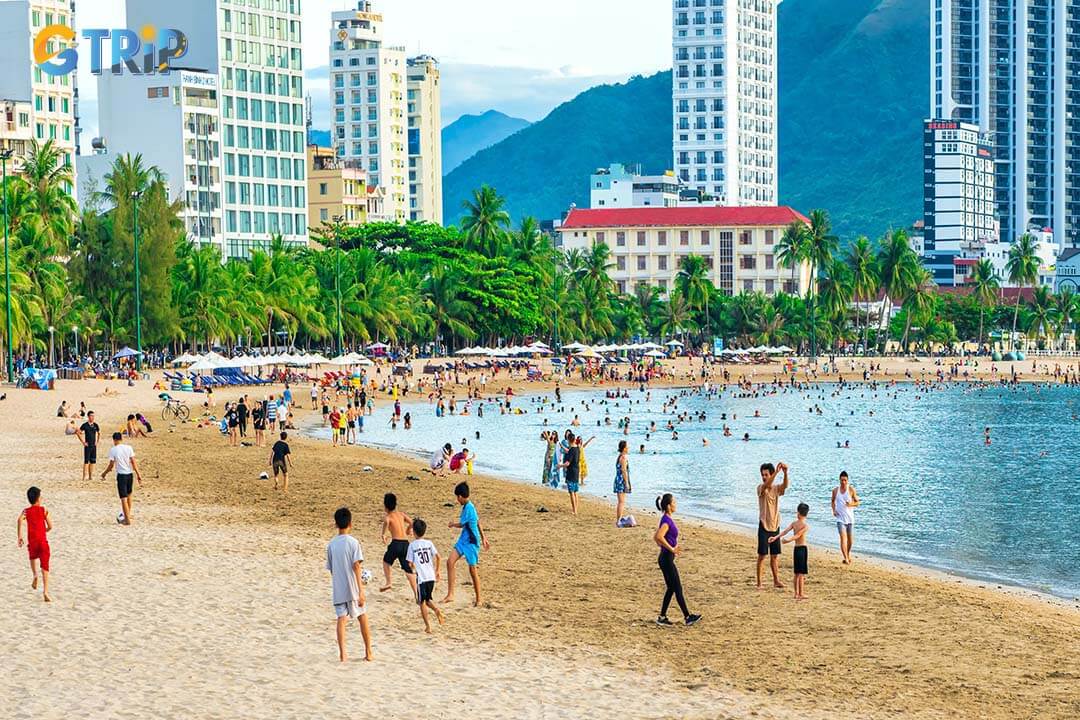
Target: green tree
[
  {"x": 486, "y": 220},
  {"x": 985, "y": 285},
  {"x": 864, "y": 280},
  {"x": 1023, "y": 270},
  {"x": 694, "y": 284}
]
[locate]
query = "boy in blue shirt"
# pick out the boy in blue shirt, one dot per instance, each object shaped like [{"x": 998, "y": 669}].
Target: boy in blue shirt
[{"x": 468, "y": 545}]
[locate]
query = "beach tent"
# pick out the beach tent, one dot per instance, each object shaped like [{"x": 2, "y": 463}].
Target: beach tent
[
  {"x": 784, "y": 349},
  {"x": 655, "y": 354},
  {"x": 126, "y": 352},
  {"x": 574, "y": 346},
  {"x": 318, "y": 359},
  {"x": 539, "y": 344},
  {"x": 204, "y": 364},
  {"x": 649, "y": 346},
  {"x": 185, "y": 359},
  {"x": 588, "y": 353},
  {"x": 673, "y": 343},
  {"x": 539, "y": 348}
]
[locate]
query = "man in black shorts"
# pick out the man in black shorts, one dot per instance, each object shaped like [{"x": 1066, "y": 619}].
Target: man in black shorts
[
  {"x": 397, "y": 525},
  {"x": 122, "y": 457},
  {"x": 769, "y": 520},
  {"x": 88, "y": 434},
  {"x": 280, "y": 459}
]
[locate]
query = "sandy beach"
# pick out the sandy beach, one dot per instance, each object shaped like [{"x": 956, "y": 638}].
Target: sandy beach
[{"x": 215, "y": 603}]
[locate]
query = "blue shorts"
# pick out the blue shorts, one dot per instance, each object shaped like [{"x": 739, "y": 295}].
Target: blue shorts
[
  {"x": 470, "y": 552},
  {"x": 572, "y": 486},
  {"x": 844, "y": 527}
]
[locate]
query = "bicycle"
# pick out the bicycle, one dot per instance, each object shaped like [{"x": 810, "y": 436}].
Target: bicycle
[{"x": 175, "y": 410}]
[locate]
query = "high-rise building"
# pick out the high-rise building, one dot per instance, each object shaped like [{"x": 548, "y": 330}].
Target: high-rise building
[
  {"x": 368, "y": 80},
  {"x": 424, "y": 98},
  {"x": 386, "y": 113},
  {"x": 1008, "y": 66},
  {"x": 959, "y": 214},
  {"x": 724, "y": 77},
  {"x": 15, "y": 130},
  {"x": 173, "y": 122},
  {"x": 254, "y": 50},
  {"x": 52, "y": 98}
]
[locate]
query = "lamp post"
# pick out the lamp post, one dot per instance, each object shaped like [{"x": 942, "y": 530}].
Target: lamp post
[
  {"x": 75, "y": 332},
  {"x": 5, "y": 155},
  {"x": 338, "y": 219},
  {"x": 138, "y": 294},
  {"x": 51, "y": 331}
]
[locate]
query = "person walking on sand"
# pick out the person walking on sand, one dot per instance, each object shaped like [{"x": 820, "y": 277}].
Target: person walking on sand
[
  {"x": 468, "y": 545},
  {"x": 88, "y": 434},
  {"x": 844, "y": 502},
  {"x": 572, "y": 468},
  {"x": 281, "y": 461},
  {"x": 345, "y": 561},
  {"x": 667, "y": 538},
  {"x": 768, "y": 493},
  {"x": 38, "y": 523},
  {"x": 622, "y": 480},
  {"x": 122, "y": 457},
  {"x": 424, "y": 560},
  {"x": 397, "y": 525}
]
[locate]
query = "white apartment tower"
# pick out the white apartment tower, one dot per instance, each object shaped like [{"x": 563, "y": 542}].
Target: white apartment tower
[
  {"x": 724, "y": 78},
  {"x": 253, "y": 48},
  {"x": 173, "y": 121},
  {"x": 424, "y": 98},
  {"x": 386, "y": 114},
  {"x": 1008, "y": 66},
  {"x": 52, "y": 99},
  {"x": 368, "y": 82}
]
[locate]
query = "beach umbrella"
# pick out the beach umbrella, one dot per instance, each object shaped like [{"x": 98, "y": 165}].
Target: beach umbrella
[
  {"x": 673, "y": 343},
  {"x": 185, "y": 359},
  {"x": 318, "y": 359},
  {"x": 126, "y": 352},
  {"x": 539, "y": 344},
  {"x": 378, "y": 346},
  {"x": 466, "y": 351},
  {"x": 574, "y": 346},
  {"x": 655, "y": 354},
  {"x": 204, "y": 364},
  {"x": 648, "y": 346},
  {"x": 588, "y": 352},
  {"x": 784, "y": 349}
]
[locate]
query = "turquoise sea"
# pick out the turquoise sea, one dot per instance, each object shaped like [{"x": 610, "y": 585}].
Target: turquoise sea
[{"x": 932, "y": 492}]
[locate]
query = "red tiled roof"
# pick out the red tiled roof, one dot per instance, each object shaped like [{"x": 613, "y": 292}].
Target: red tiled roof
[{"x": 696, "y": 216}]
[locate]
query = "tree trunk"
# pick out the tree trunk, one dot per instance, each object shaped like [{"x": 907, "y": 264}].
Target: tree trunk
[
  {"x": 1016, "y": 314},
  {"x": 981, "y": 311}
]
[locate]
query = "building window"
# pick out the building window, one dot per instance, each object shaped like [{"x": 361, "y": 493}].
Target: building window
[
  {"x": 322, "y": 188},
  {"x": 620, "y": 262},
  {"x": 620, "y": 239},
  {"x": 747, "y": 262},
  {"x": 661, "y": 237},
  {"x": 323, "y": 214},
  {"x": 684, "y": 237},
  {"x": 704, "y": 237},
  {"x": 599, "y": 238},
  {"x": 769, "y": 262},
  {"x": 661, "y": 262},
  {"x": 770, "y": 287},
  {"x": 748, "y": 286},
  {"x": 769, "y": 237},
  {"x": 641, "y": 238},
  {"x": 745, "y": 238},
  {"x": 642, "y": 262}
]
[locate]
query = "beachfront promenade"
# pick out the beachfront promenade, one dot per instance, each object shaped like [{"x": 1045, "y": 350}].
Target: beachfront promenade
[{"x": 215, "y": 602}]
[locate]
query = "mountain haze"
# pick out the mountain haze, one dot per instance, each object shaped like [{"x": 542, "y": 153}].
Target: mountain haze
[
  {"x": 853, "y": 92},
  {"x": 469, "y": 134}
]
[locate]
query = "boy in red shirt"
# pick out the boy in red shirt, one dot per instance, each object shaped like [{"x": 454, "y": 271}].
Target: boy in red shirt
[{"x": 38, "y": 522}]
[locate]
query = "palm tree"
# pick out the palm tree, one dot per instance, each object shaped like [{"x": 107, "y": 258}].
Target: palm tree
[
  {"x": 1067, "y": 306},
  {"x": 1023, "y": 269},
  {"x": 820, "y": 246},
  {"x": 486, "y": 220},
  {"x": 791, "y": 250},
  {"x": 771, "y": 326},
  {"x": 1043, "y": 313},
  {"x": 442, "y": 289},
  {"x": 864, "y": 280},
  {"x": 836, "y": 291},
  {"x": 676, "y": 317},
  {"x": 918, "y": 300},
  {"x": 649, "y": 304},
  {"x": 693, "y": 281},
  {"x": 985, "y": 284},
  {"x": 898, "y": 266},
  {"x": 48, "y": 181}
]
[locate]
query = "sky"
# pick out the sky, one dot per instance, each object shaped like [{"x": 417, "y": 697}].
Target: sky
[{"x": 522, "y": 58}]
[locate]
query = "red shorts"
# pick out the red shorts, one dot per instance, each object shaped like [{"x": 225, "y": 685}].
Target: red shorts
[{"x": 40, "y": 551}]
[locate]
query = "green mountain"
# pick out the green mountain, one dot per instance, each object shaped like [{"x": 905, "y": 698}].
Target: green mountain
[
  {"x": 853, "y": 92},
  {"x": 470, "y": 134}
]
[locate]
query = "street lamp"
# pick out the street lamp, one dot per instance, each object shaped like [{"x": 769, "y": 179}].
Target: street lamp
[
  {"x": 5, "y": 155},
  {"x": 338, "y": 219},
  {"x": 51, "y": 331},
  {"x": 138, "y": 294}
]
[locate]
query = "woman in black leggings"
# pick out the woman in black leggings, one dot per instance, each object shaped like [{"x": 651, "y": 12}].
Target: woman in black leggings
[{"x": 667, "y": 537}]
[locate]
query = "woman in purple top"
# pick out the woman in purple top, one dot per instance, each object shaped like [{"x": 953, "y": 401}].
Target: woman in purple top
[{"x": 667, "y": 537}]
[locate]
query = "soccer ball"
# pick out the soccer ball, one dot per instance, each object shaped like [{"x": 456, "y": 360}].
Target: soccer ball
[
  {"x": 120, "y": 517},
  {"x": 365, "y": 576}
]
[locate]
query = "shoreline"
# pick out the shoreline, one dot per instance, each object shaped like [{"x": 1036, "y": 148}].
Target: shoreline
[{"x": 928, "y": 571}]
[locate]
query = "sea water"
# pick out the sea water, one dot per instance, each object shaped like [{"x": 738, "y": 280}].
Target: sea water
[{"x": 933, "y": 493}]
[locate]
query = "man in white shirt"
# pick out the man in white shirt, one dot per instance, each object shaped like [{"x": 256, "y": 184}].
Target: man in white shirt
[{"x": 122, "y": 457}]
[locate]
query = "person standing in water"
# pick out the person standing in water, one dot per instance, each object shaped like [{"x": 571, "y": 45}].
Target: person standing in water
[
  {"x": 844, "y": 502},
  {"x": 667, "y": 538},
  {"x": 622, "y": 480}
]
